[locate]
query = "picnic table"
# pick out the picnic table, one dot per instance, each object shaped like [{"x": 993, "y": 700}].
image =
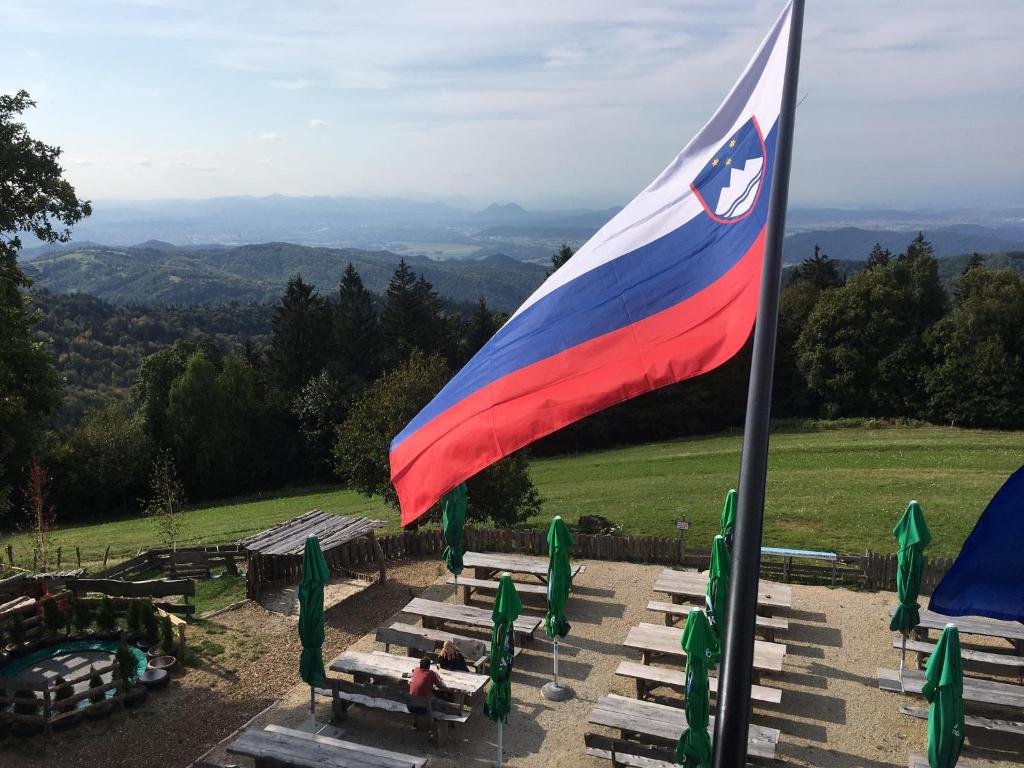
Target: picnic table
[
  {"x": 666, "y": 724},
  {"x": 690, "y": 585},
  {"x": 487, "y": 564},
  {"x": 276, "y": 745},
  {"x": 656, "y": 639},
  {"x": 435, "y": 615},
  {"x": 397, "y": 669},
  {"x": 1011, "y": 631},
  {"x": 980, "y": 691}
]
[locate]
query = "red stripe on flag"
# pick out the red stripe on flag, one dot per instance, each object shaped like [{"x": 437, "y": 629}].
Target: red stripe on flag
[{"x": 691, "y": 338}]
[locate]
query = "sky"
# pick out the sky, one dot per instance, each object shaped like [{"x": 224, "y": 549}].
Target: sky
[{"x": 916, "y": 103}]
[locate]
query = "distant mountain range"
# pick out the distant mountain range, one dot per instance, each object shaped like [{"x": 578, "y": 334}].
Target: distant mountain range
[{"x": 443, "y": 230}]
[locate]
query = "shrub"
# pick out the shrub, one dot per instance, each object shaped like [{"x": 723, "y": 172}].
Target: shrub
[
  {"x": 95, "y": 682},
  {"x": 81, "y": 615},
  {"x": 53, "y": 617},
  {"x": 106, "y": 618},
  {"x": 150, "y": 625},
  {"x": 16, "y": 629},
  {"x": 126, "y": 664},
  {"x": 64, "y": 690},
  {"x": 166, "y": 633},
  {"x": 134, "y": 617}
]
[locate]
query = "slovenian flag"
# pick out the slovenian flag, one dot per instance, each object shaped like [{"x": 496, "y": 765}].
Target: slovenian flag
[{"x": 665, "y": 291}]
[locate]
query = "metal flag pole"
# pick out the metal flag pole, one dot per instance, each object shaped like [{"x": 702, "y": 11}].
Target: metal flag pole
[{"x": 733, "y": 719}]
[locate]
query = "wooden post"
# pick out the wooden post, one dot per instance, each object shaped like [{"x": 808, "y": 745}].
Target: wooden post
[
  {"x": 58, "y": 558},
  {"x": 380, "y": 557},
  {"x": 10, "y": 554},
  {"x": 78, "y": 555},
  {"x": 105, "y": 556}
]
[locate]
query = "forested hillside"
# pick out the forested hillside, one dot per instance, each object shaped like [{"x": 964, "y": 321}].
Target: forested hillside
[{"x": 164, "y": 274}]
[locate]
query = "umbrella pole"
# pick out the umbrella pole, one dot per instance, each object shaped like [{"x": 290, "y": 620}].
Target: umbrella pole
[
  {"x": 903, "y": 659},
  {"x": 498, "y": 763}
]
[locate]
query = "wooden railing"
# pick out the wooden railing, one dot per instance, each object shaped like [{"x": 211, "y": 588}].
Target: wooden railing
[{"x": 48, "y": 709}]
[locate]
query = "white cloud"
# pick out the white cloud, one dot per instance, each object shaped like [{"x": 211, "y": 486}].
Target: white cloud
[
  {"x": 316, "y": 122},
  {"x": 84, "y": 162},
  {"x": 270, "y": 136},
  {"x": 299, "y": 84},
  {"x": 144, "y": 161}
]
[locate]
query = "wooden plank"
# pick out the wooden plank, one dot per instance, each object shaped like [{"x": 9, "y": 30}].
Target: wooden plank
[
  {"x": 666, "y": 724},
  {"x": 289, "y": 750},
  {"x": 980, "y": 691},
  {"x": 628, "y": 753},
  {"x": 411, "y": 760},
  {"x": 679, "y": 612},
  {"x": 676, "y": 679},
  {"x": 399, "y": 669},
  {"x": 656, "y": 638},
  {"x": 150, "y": 588},
  {"x": 967, "y": 654},
  {"x": 468, "y": 615},
  {"x": 972, "y": 625},
  {"x": 533, "y": 565},
  {"x": 986, "y": 723},
  {"x": 491, "y": 585},
  {"x": 770, "y": 594}
]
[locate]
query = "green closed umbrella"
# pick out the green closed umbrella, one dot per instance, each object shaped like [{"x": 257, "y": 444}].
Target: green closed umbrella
[
  {"x": 453, "y": 518},
  {"x": 944, "y": 689},
  {"x": 560, "y": 541},
  {"x": 718, "y": 585},
  {"x": 702, "y": 652},
  {"x": 728, "y": 517},
  {"x": 913, "y": 536},
  {"x": 311, "y": 616},
  {"x": 507, "y": 607}
]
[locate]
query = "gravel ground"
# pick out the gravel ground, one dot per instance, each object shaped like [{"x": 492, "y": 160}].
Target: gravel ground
[{"x": 832, "y": 713}]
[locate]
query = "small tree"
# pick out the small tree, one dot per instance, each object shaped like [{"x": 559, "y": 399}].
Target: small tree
[
  {"x": 42, "y": 517},
  {"x": 166, "y": 633},
  {"x": 64, "y": 691},
  {"x": 53, "y": 617},
  {"x": 167, "y": 499},
  {"x": 134, "y": 620},
  {"x": 150, "y": 624},
  {"x": 96, "y": 681},
  {"x": 106, "y": 618},
  {"x": 16, "y": 629},
  {"x": 127, "y": 664},
  {"x": 81, "y": 615}
]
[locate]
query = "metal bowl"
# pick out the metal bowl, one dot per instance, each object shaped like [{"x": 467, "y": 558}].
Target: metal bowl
[
  {"x": 162, "y": 662},
  {"x": 154, "y": 679}
]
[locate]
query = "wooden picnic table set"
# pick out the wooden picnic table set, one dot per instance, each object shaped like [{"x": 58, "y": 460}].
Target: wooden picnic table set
[
  {"x": 984, "y": 692},
  {"x": 648, "y": 729}
]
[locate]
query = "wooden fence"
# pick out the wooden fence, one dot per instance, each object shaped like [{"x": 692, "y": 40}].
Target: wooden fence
[
  {"x": 880, "y": 571},
  {"x": 39, "y": 702}
]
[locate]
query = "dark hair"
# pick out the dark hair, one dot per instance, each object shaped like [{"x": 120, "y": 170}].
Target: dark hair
[{"x": 424, "y": 663}]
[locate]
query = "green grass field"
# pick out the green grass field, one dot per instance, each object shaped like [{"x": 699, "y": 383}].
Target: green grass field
[{"x": 838, "y": 489}]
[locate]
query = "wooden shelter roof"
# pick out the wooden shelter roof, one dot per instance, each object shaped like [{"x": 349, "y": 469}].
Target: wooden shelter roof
[{"x": 289, "y": 538}]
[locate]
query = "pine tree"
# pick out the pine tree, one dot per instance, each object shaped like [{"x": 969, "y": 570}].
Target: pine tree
[
  {"x": 819, "y": 270},
  {"x": 879, "y": 256},
  {"x": 412, "y": 318},
  {"x": 301, "y": 342},
  {"x": 356, "y": 328},
  {"x": 558, "y": 259}
]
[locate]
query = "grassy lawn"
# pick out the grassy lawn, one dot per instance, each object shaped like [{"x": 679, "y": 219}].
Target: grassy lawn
[{"x": 836, "y": 489}]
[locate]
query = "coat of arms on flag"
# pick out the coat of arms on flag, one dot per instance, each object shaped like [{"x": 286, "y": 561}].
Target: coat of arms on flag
[{"x": 730, "y": 183}]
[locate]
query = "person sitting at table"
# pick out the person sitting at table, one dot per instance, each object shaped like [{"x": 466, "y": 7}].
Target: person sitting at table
[
  {"x": 422, "y": 684},
  {"x": 451, "y": 658}
]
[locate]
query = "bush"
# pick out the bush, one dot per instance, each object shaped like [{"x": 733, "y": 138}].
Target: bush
[
  {"x": 16, "y": 629},
  {"x": 126, "y": 664},
  {"x": 134, "y": 621},
  {"x": 53, "y": 617},
  {"x": 150, "y": 624},
  {"x": 106, "y": 618},
  {"x": 95, "y": 682},
  {"x": 81, "y": 615},
  {"x": 64, "y": 690},
  {"x": 166, "y": 633}
]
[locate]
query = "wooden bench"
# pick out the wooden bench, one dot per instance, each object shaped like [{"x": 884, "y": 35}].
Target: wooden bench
[
  {"x": 766, "y": 625},
  {"x": 470, "y": 585},
  {"x": 662, "y": 724},
  {"x": 278, "y": 746},
  {"x": 1011, "y": 631},
  {"x": 787, "y": 556},
  {"x": 476, "y": 651},
  {"x": 924, "y": 648},
  {"x": 915, "y": 760},
  {"x": 440, "y": 713},
  {"x": 648, "y": 677},
  {"x": 979, "y": 691},
  {"x": 972, "y": 721},
  {"x": 690, "y": 586},
  {"x": 655, "y": 640},
  {"x": 628, "y": 753},
  {"x": 436, "y": 614}
]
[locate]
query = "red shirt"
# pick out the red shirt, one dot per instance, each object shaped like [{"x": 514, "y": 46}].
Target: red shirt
[{"x": 423, "y": 682}]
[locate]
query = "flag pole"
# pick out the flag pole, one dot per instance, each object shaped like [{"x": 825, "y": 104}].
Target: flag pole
[{"x": 733, "y": 717}]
